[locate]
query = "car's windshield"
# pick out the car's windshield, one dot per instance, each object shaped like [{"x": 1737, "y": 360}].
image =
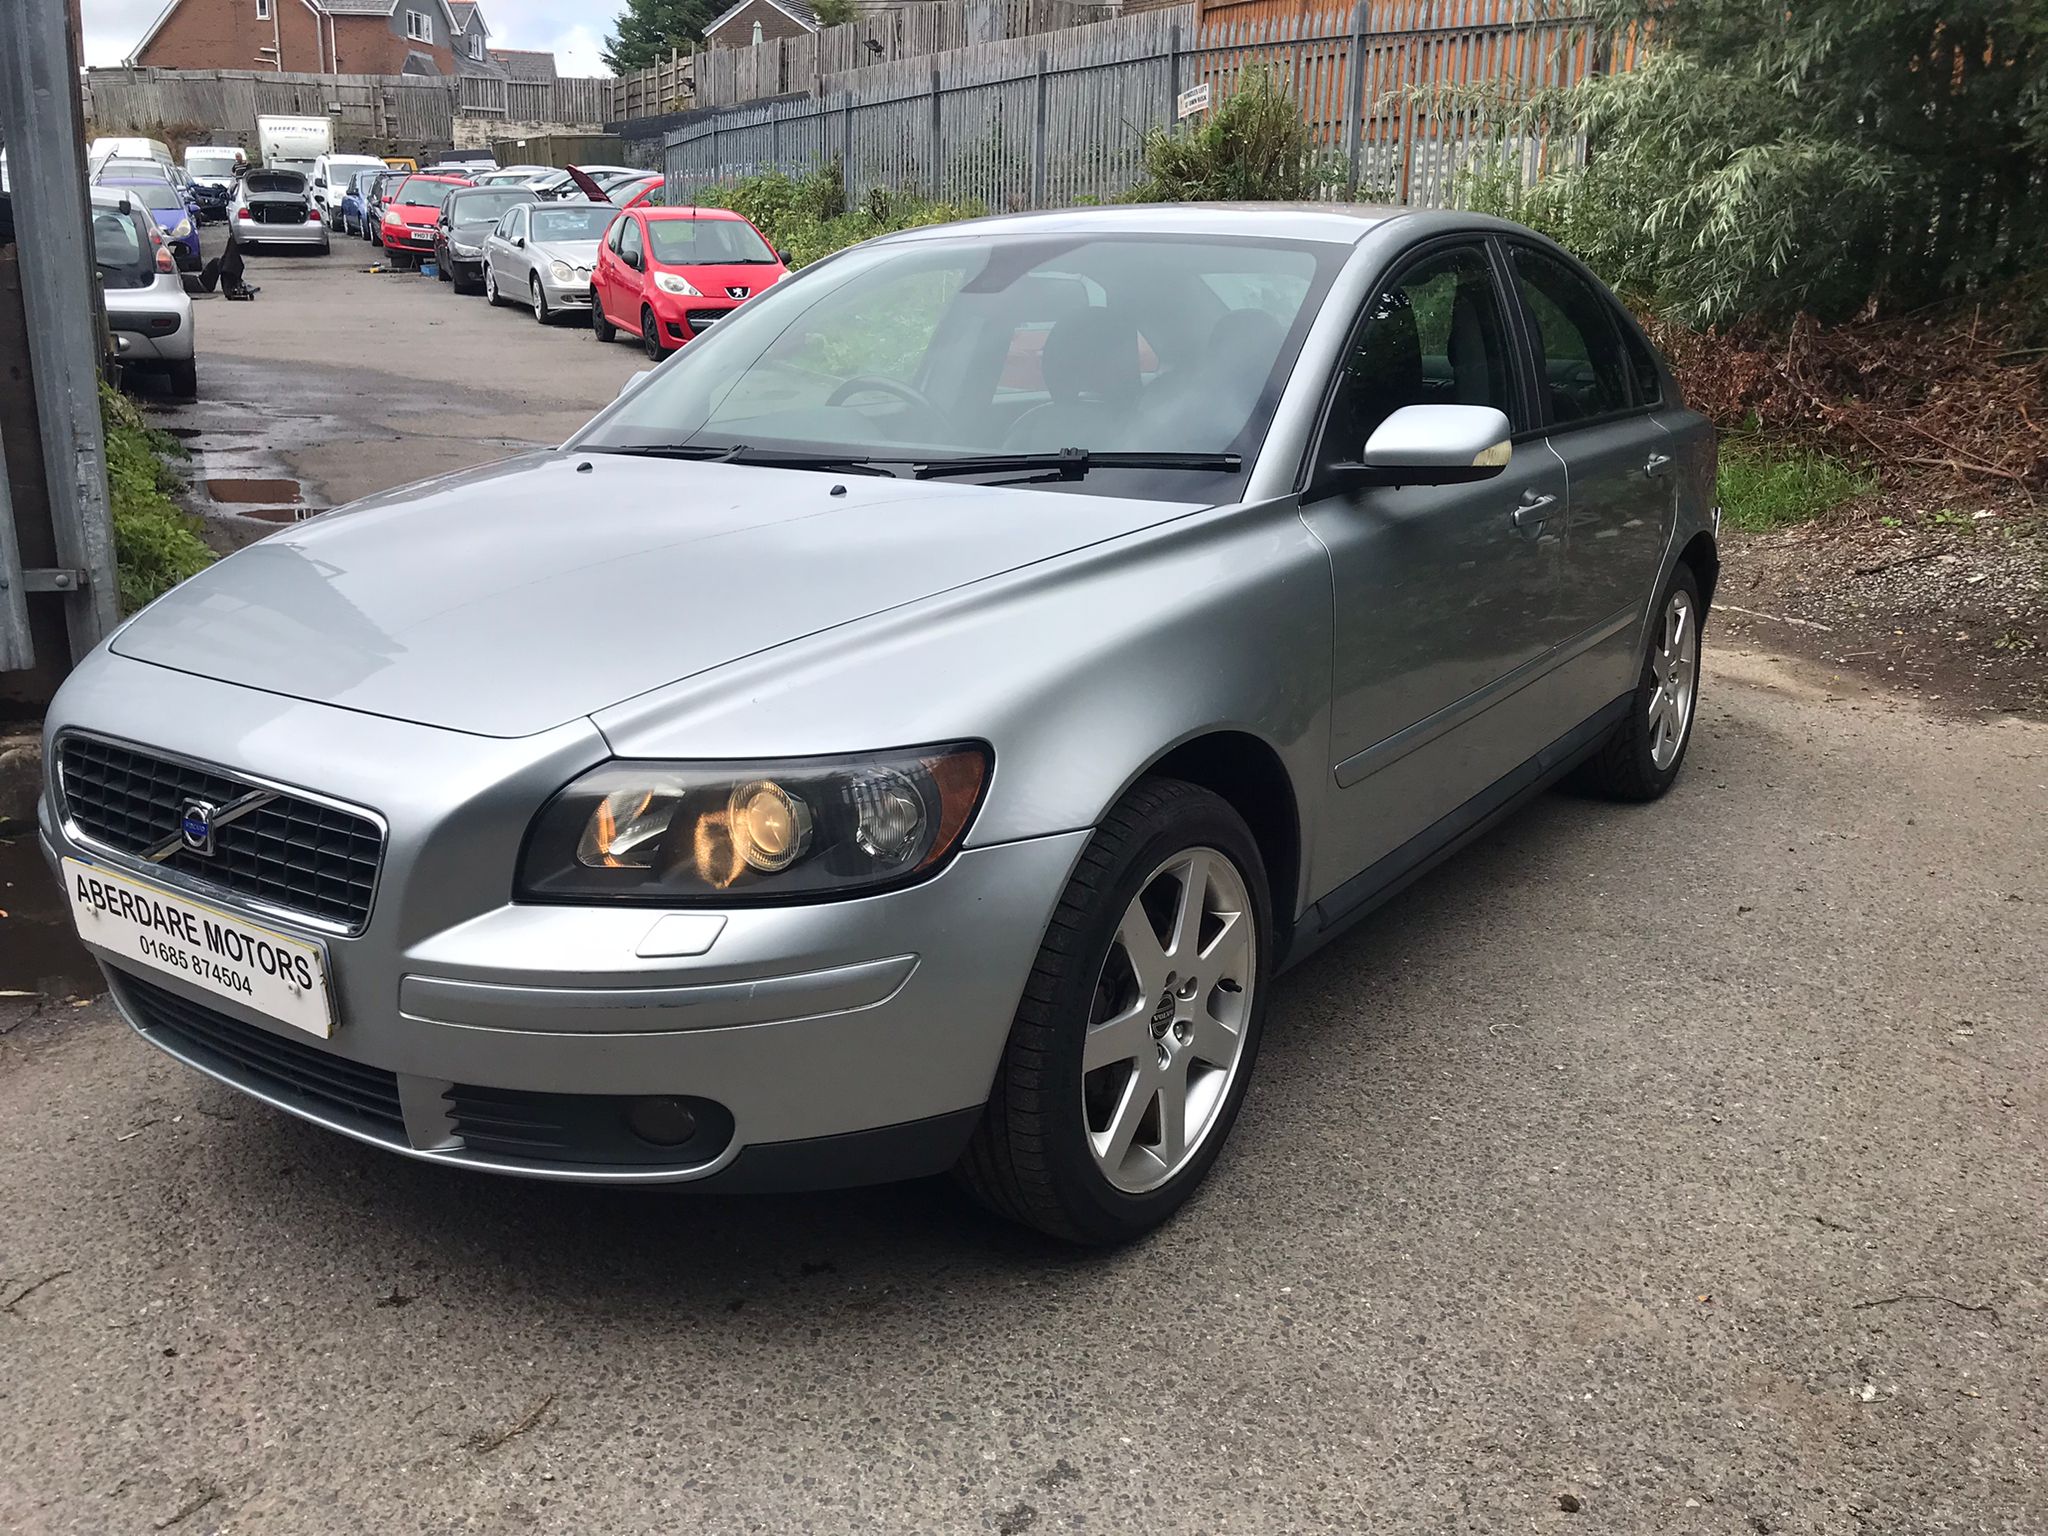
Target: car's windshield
[
  {"x": 151, "y": 194},
  {"x": 485, "y": 205},
  {"x": 957, "y": 348},
  {"x": 363, "y": 181},
  {"x": 419, "y": 192},
  {"x": 274, "y": 181},
  {"x": 588, "y": 222},
  {"x": 705, "y": 242},
  {"x": 121, "y": 250},
  {"x": 219, "y": 167}
]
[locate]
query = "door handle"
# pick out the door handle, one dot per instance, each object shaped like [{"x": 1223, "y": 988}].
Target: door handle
[
  {"x": 1657, "y": 464},
  {"x": 1532, "y": 511}
]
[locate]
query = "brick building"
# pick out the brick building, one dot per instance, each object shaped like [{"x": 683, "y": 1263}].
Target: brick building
[
  {"x": 351, "y": 37},
  {"x": 760, "y": 21}
]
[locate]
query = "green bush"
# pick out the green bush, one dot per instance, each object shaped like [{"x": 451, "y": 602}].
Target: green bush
[
  {"x": 1765, "y": 487},
  {"x": 806, "y": 217},
  {"x": 1254, "y": 147},
  {"x": 155, "y": 545},
  {"x": 1831, "y": 158}
]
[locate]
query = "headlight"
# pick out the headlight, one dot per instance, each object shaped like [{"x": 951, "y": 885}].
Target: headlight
[
  {"x": 460, "y": 249},
  {"x": 665, "y": 833},
  {"x": 391, "y": 216},
  {"x": 559, "y": 271},
  {"x": 668, "y": 282},
  {"x": 181, "y": 229}
]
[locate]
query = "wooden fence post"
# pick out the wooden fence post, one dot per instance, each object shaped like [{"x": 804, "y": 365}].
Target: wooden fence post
[{"x": 1354, "y": 98}]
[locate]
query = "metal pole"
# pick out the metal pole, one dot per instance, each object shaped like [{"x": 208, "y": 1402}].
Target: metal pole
[
  {"x": 17, "y": 641},
  {"x": 1354, "y": 99},
  {"x": 1039, "y": 146},
  {"x": 46, "y": 163},
  {"x": 1172, "y": 74},
  {"x": 937, "y": 180},
  {"x": 846, "y": 147}
]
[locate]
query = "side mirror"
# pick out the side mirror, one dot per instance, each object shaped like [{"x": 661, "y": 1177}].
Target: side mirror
[
  {"x": 782, "y": 256},
  {"x": 1433, "y": 445},
  {"x": 519, "y": 241},
  {"x": 631, "y": 259}
]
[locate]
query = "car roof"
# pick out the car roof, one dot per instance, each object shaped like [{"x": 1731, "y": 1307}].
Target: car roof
[
  {"x": 460, "y": 181},
  {"x": 692, "y": 211}
]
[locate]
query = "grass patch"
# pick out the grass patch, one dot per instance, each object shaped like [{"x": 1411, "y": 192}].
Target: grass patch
[
  {"x": 1765, "y": 488},
  {"x": 156, "y": 546}
]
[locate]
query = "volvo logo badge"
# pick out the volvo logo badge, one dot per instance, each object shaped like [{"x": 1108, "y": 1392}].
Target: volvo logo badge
[
  {"x": 195, "y": 826},
  {"x": 735, "y": 293}
]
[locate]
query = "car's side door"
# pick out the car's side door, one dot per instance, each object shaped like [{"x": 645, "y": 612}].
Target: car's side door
[
  {"x": 1445, "y": 595},
  {"x": 604, "y": 277},
  {"x": 499, "y": 245},
  {"x": 631, "y": 278},
  {"x": 1620, "y": 493}
]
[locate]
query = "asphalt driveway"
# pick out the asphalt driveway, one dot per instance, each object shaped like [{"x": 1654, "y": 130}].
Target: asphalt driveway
[{"x": 1674, "y": 1169}]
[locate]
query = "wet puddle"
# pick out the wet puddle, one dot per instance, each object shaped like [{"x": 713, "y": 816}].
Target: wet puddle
[
  {"x": 249, "y": 491},
  {"x": 40, "y": 956}
]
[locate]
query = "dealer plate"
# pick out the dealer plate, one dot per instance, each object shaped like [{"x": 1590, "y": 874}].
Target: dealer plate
[{"x": 230, "y": 956}]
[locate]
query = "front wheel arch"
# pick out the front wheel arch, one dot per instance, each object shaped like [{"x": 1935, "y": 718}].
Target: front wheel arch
[{"x": 1249, "y": 776}]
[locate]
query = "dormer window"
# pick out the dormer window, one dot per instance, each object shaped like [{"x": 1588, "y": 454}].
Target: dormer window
[
  {"x": 419, "y": 26},
  {"x": 476, "y": 46}
]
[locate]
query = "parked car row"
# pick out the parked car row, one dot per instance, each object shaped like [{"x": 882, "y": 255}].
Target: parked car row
[{"x": 663, "y": 275}]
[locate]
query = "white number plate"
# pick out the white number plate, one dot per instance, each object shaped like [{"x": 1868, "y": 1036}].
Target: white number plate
[{"x": 283, "y": 977}]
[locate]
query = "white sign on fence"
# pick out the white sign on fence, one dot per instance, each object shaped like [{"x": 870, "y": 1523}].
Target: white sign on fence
[{"x": 1192, "y": 100}]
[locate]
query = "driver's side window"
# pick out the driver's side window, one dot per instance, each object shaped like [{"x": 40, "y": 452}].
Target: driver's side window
[
  {"x": 629, "y": 240},
  {"x": 1436, "y": 335}
]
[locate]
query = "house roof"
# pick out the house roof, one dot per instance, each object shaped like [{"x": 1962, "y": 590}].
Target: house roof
[
  {"x": 526, "y": 64},
  {"x": 796, "y": 10},
  {"x": 358, "y": 7},
  {"x": 465, "y": 13}
]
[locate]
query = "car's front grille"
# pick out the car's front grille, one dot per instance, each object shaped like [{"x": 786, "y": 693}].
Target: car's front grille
[
  {"x": 277, "y": 213},
  {"x": 295, "y": 854},
  {"x": 701, "y": 320},
  {"x": 304, "y": 1076}
]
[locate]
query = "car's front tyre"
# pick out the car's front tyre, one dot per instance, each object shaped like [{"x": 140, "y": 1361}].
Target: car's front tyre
[
  {"x": 1134, "y": 1042},
  {"x": 1642, "y": 758}
]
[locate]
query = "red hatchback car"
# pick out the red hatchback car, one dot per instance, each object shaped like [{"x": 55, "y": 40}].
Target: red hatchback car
[
  {"x": 669, "y": 273},
  {"x": 412, "y": 211}
]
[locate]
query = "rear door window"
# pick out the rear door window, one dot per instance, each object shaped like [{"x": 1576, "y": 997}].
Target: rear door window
[{"x": 1584, "y": 370}]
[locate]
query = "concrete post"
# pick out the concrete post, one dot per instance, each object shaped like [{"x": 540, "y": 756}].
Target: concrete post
[{"x": 46, "y": 163}]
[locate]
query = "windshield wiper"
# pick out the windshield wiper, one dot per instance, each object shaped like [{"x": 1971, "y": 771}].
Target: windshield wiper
[
  {"x": 1073, "y": 463},
  {"x": 740, "y": 453}
]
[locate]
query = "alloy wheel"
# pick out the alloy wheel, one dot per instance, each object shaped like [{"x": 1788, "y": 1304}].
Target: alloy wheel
[
  {"x": 1674, "y": 665},
  {"x": 540, "y": 300},
  {"x": 1166, "y": 1030},
  {"x": 490, "y": 286}
]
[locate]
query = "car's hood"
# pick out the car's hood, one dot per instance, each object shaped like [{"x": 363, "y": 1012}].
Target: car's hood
[
  {"x": 509, "y": 599},
  {"x": 414, "y": 213},
  {"x": 578, "y": 253}
]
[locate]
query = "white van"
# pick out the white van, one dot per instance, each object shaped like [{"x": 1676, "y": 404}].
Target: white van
[
  {"x": 108, "y": 148},
  {"x": 293, "y": 143},
  {"x": 331, "y": 176}
]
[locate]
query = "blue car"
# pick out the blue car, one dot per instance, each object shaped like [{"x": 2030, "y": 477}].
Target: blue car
[
  {"x": 167, "y": 205},
  {"x": 354, "y": 212}
]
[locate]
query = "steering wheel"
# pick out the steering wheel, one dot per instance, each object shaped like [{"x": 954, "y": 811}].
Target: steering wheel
[{"x": 874, "y": 383}]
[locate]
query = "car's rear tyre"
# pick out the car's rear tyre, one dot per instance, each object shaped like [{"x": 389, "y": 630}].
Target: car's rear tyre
[
  {"x": 600, "y": 325},
  {"x": 184, "y": 379},
  {"x": 1641, "y": 759},
  {"x": 650, "y": 335},
  {"x": 541, "y": 312},
  {"x": 1131, "y": 1050}
]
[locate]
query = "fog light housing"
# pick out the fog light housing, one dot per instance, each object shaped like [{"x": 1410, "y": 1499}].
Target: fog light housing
[{"x": 661, "y": 1120}]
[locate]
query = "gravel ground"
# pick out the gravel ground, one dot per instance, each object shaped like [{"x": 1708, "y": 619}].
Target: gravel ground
[{"x": 1673, "y": 1169}]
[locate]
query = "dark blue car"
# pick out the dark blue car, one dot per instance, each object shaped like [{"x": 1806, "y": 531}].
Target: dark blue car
[
  {"x": 355, "y": 202},
  {"x": 166, "y": 204}
]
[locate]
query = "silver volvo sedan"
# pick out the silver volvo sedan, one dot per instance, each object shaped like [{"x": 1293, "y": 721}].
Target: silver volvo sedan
[{"x": 910, "y": 729}]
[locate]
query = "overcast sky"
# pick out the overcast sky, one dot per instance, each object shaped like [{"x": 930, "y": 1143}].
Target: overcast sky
[{"x": 574, "y": 31}]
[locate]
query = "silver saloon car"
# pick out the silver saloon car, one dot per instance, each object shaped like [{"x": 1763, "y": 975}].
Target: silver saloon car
[
  {"x": 540, "y": 254},
  {"x": 909, "y": 730}
]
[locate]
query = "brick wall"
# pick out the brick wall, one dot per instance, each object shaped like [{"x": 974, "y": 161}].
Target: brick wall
[
  {"x": 739, "y": 32},
  {"x": 225, "y": 34}
]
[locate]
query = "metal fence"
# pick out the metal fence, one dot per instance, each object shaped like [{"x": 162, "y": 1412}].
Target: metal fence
[{"x": 1046, "y": 121}]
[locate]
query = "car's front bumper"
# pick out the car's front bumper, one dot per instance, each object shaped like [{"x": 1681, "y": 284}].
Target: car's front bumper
[
  {"x": 846, "y": 1040},
  {"x": 416, "y": 239}
]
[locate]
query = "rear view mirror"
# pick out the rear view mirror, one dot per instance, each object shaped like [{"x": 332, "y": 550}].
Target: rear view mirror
[{"x": 1437, "y": 445}]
